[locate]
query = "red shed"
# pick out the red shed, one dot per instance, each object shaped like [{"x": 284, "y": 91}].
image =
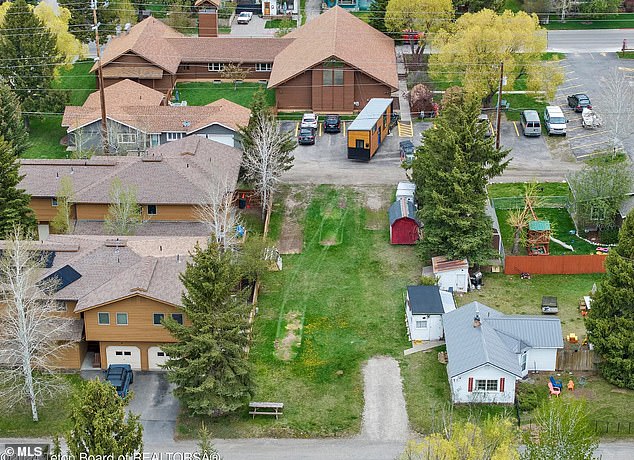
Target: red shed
[{"x": 403, "y": 222}]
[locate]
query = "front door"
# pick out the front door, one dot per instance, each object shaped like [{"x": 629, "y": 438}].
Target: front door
[{"x": 267, "y": 8}]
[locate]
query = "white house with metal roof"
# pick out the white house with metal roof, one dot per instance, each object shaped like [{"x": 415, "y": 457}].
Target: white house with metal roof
[
  {"x": 424, "y": 307},
  {"x": 488, "y": 351}
]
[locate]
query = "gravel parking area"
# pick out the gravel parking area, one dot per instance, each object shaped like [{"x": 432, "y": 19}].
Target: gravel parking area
[{"x": 384, "y": 413}]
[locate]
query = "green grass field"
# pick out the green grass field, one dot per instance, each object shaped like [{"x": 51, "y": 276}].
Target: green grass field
[
  {"x": 44, "y": 135},
  {"x": 279, "y": 23},
  {"x": 202, "y": 93},
  {"x": 517, "y": 189},
  {"x": 605, "y": 21},
  {"x": 78, "y": 81},
  {"x": 625, "y": 55},
  {"x": 17, "y": 423},
  {"x": 346, "y": 288}
]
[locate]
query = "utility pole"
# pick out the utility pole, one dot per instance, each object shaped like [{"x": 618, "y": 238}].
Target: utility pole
[
  {"x": 102, "y": 94},
  {"x": 498, "y": 115}
]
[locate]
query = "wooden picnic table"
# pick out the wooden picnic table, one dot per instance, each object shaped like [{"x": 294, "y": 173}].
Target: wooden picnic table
[{"x": 266, "y": 408}]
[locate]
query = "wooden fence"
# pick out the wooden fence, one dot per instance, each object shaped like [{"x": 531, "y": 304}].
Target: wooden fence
[
  {"x": 554, "y": 265},
  {"x": 581, "y": 360}
]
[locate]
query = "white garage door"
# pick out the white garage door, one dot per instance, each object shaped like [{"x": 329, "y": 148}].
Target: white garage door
[
  {"x": 226, "y": 139},
  {"x": 155, "y": 358},
  {"x": 120, "y": 354}
]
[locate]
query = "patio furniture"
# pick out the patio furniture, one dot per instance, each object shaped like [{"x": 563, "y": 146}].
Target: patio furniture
[
  {"x": 553, "y": 390},
  {"x": 555, "y": 383},
  {"x": 549, "y": 305},
  {"x": 571, "y": 385}
]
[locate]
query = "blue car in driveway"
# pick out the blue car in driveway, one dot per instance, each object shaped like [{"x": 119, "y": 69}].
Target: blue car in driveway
[{"x": 121, "y": 377}]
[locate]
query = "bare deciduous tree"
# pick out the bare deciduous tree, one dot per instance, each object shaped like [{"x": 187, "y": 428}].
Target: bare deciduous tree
[
  {"x": 32, "y": 333},
  {"x": 124, "y": 213},
  {"x": 618, "y": 99},
  {"x": 65, "y": 194},
  {"x": 235, "y": 73},
  {"x": 267, "y": 154},
  {"x": 218, "y": 213}
]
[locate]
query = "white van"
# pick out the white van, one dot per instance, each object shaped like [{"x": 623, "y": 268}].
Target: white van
[
  {"x": 555, "y": 120},
  {"x": 529, "y": 121}
]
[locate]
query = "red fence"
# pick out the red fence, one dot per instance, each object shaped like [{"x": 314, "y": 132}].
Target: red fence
[{"x": 554, "y": 265}]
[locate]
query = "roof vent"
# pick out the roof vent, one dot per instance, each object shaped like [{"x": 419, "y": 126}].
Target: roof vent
[
  {"x": 476, "y": 319},
  {"x": 152, "y": 158},
  {"x": 186, "y": 124},
  {"x": 115, "y": 243},
  {"x": 127, "y": 27}
]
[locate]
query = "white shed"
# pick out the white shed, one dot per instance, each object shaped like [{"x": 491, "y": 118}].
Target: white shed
[
  {"x": 405, "y": 190},
  {"x": 424, "y": 307},
  {"x": 452, "y": 275}
]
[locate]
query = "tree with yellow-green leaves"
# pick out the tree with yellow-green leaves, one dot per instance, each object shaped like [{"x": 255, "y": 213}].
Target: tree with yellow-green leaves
[
  {"x": 470, "y": 51},
  {"x": 493, "y": 439},
  {"x": 423, "y": 17}
]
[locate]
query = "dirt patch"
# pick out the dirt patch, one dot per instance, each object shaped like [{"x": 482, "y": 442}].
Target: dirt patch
[
  {"x": 286, "y": 347},
  {"x": 292, "y": 234},
  {"x": 329, "y": 242}
]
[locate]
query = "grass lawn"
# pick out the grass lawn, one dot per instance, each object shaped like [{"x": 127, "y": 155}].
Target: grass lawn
[
  {"x": 513, "y": 5},
  {"x": 279, "y": 23},
  {"x": 625, "y": 55},
  {"x": 512, "y": 295},
  {"x": 344, "y": 292},
  {"x": 202, "y": 93},
  {"x": 78, "y": 80},
  {"x": 428, "y": 397},
  {"x": 53, "y": 416},
  {"x": 605, "y": 21},
  {"x": 516, "y": 189},
  {"x": 607, "y": 405},
  {"x": 44, "y": 136}
]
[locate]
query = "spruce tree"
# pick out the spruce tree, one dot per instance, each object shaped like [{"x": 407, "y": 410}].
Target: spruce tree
[
  {"x": 11, "y": 123},
  {"x": 14, "y": 202},
  {"x": 33, "y": 56},
  {"x": 610, "y": 322},
  {"x": 451, "y": 171},
  {"x": 377, "y": 15},
  {"x": 208, "y": 364},
  {"x": 100, "y": 425}
]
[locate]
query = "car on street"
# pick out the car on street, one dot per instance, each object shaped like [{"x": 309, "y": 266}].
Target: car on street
[
  {"x": 306, "y": 136},
  {"x": 309, "y": 120},
  {"x": 245, "y": 17},
  {"x": 120, "y": 377},
  {"x": 332, "y": 124},
  {"x": 484, "y": 118},
  {"x": 579, "y": 101},
  {"x": 406, "y": 149}
]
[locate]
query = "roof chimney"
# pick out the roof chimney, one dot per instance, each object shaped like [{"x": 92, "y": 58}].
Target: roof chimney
[
  {"x": 207, "y": 17},
  {"x": 476, "y": 319}
]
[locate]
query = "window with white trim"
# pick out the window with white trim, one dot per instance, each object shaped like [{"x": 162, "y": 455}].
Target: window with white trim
[
  {"x": 126, "y": 138},
  {"x": 122, "y": 319},
  {"x": 178, "y": 317},
  {"x": 103, "y": 318},
  {"x": 216, "y": 66},
  {"x": 523, "y": 361},
  {"x": 486, "y": 385},
  {"x": 54, "y": 202},
  {"x": 263, "y": 66},
  {"x": 421, "y": 324},
  {"x": 151, "y": 210},
  {"x": 157, "y": 319},
  {"x": 173, "y": 136}
]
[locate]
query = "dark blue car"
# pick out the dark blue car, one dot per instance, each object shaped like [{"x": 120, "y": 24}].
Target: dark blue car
[{"x": 121, "y": 377}]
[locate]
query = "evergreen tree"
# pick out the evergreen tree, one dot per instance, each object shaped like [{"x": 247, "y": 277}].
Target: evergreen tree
[
  {"x": 208, "y": 363},
  {"x": 451, "y": 170},
  {"x": 14, "y": 202},
  {"x": 11, "y": 122},
  {"x": 100, "y": 425},
  {"x": 377, "y": 15},
  {"x": 33, "y": 57},
  {"x": 610, "y": 322}
]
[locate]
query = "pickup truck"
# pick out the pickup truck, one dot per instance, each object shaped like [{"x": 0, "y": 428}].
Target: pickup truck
[{"x": 121, "y": 377}]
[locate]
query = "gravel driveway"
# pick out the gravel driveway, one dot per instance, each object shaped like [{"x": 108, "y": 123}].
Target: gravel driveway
[{"x": 384, "y": 414}]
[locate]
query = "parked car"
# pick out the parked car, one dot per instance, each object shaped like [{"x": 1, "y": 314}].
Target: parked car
[
  {"x": 309, "y": 120},
  {"x": 120, "y": 377},
  {"x": 406, "y": 149},
  {"x": 530, "y": 123},
  {"x": 332, "y": 124},
  {"x": 555, "y": 120},
  {"x": 245, "y": 17},
  {"x": 483, "y": 118},
  {"x": 306, "y": 136},
  {"x": 579, "y": 102}
]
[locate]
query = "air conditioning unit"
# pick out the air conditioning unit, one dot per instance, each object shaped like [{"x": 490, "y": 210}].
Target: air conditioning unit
[{"x": 356, "y": 103}]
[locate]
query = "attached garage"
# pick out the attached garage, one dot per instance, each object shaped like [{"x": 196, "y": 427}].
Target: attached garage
[
  {"x": 156, "y": 358},
  {"x": 226, "y": 139},
  {"x": 122, "y": 354}
]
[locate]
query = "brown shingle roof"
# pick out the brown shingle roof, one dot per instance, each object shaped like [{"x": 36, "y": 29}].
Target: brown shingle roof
[
  {"x": 187, "y": 119},
  {"x": 146, "y": 39},
  {"x": 126, "y": 92},
  {"x": 342, "y": 35},
  {"x": 228, "y": 49},
  {"x": 202, "y": 2},
  {"x": 182, "y": 176}
]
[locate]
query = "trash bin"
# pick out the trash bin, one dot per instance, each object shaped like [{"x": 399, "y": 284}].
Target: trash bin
[{"x": 242, "y": 203}]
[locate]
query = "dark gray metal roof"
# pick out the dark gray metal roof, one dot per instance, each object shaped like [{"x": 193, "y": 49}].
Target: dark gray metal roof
[
  {"x": 427, "y": 300},
  {"x": 497, "y": 340},
  {"x": 402, "y": 208}
]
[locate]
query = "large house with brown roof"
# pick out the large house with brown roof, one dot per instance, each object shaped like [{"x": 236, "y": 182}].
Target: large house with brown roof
[
  {"x": 171, "y": 181},
  {"x": 138, "y": 119},
  {"x": 117, "y": 292},
  {"x": 335, "y": 63}
]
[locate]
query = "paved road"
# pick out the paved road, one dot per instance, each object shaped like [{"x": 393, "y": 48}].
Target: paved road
[
  {"x": 588, "y": 41},
  {"x": 255, "y": 28}
]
